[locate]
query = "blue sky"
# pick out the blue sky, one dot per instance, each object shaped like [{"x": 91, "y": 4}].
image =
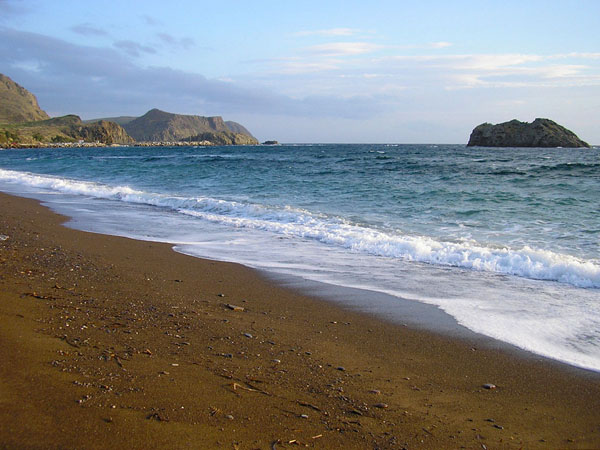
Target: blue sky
[{"x": 314, "y": 71}]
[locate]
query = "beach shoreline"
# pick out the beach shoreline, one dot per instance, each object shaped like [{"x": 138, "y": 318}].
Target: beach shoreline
[{"x": 112, "y": 342}]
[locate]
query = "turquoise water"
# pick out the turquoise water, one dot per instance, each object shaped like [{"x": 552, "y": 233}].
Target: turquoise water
[{"x": 505, "y": 240}]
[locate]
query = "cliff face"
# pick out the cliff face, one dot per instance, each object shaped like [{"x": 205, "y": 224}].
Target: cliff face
[
  {"x": 102, "y": 131},
  {"x": 64, "y": 129},
  {"x": 22, "y": 122},
  {"x": 17, "y": 104},
  {"x": 235, "y": 127},
  {"x": 224, "y": 138},
  {"x": 539, "y": 133},
  {"x": 157, "y": 125}
]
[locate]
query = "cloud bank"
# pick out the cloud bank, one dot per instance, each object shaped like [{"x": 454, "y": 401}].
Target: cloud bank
[
  {"x": 90, "y": 81},
  {"x": 331, "y": 84}
]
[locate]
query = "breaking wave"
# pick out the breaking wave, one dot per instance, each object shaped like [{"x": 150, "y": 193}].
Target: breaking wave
[{"x": 525, "y": 262}]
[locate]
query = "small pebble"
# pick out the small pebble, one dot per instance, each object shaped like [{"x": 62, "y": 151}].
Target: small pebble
[
  {"x": 276, "y": 361},
  {"x": 248, "y": 335},
  {"x": 340, "y": 368},
  {"x": 375, "y": 391},
  {"x": 229, "y": 416},
  {"x": 304, "y": 416},
  {"x": 489, "y": 386},
  {"x": 500, "y": 427},
  {"x": 381, "y": 405}
]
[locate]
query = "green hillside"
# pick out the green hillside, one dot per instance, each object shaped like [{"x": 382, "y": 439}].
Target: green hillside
[
  {"x": 161, "y": 126},
  {"x": 23, "y": 123},
  {"x": 17, "y": 104}
]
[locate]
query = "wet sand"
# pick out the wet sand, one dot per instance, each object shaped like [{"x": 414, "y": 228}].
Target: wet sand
[{"x": 108, "y": 342}]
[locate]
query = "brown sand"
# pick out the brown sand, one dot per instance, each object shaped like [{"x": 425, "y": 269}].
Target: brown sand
[{"x": 107, "y": 342}]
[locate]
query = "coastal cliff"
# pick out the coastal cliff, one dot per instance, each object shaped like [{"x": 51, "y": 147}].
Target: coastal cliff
[
  {"x": 24, "y": 124},
  {"x": 17, "y": 104},
  {"x": 157, "y": 125},
  {"x": 102, "y": 131},
  {"x": 539, "y": 133},
  {"x": 66, "y": 129}
]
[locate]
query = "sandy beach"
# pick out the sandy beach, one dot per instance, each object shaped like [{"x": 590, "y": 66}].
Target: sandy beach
[{"x": 108, "y": 342}]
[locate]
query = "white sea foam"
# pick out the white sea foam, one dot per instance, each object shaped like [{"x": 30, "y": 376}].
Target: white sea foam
[{"x": 524, "y": 262}]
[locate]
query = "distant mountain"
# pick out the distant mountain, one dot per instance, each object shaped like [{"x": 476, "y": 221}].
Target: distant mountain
[
  {"x": 539, "y": 133},
  {"x": 235, "y": 127},
  {"x": 121, "y": 120},
  {"x": 64, "y": 129},
  {"x": 161, "y": 126},
  {"x": 24, "y": 123},
  {"x": 224, "y": 138},
  {"x": 102, "y": 131},
  {"x": 17, "y": 104}
]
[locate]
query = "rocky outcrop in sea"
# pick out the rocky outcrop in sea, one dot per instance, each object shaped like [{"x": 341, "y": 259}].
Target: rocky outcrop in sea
[{"x": 539, "y": 133}]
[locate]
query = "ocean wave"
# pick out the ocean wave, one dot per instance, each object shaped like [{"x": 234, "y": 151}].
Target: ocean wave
[
  {"x": 524, "y": 262},
  {"x": 570, "y": 168}
]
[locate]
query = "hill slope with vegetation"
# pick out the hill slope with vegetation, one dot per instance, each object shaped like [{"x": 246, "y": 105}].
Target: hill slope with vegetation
[
  {"x": 160, "y": 126},
  {"x": 24, "y": 123},
  {"x": 17, "y": 104}
]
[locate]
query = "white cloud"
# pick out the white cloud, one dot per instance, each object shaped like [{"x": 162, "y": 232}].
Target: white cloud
[
  {"x": 344, "y": 48},
  {"x": 302, "y": 66},
  {"x": 441, "y": 44},
  {"x": 328, "y": 32},
  {"x": 458, "y": 71}
]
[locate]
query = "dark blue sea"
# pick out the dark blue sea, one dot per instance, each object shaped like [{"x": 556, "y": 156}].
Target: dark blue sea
[{"x": 507, "y": 241}]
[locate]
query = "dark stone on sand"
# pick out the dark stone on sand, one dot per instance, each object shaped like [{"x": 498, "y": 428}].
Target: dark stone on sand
[
  {"x": 234, "y": 307},
  {"x": 539, "y": 133}
]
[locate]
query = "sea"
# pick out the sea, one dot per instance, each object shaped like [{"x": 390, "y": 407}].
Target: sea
[{"x": 505, "y": 241}]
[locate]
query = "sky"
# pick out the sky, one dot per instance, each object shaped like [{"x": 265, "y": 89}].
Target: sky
[{"x": 304, "y": 71}]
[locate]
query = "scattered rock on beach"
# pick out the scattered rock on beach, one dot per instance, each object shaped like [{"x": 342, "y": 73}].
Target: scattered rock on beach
[
  {"x": 489, "y": 386},
  {"x": 234, "y": 307}
]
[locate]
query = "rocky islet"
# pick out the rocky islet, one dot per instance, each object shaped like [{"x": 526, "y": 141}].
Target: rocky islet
[{"x": 539, "y": 133}]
